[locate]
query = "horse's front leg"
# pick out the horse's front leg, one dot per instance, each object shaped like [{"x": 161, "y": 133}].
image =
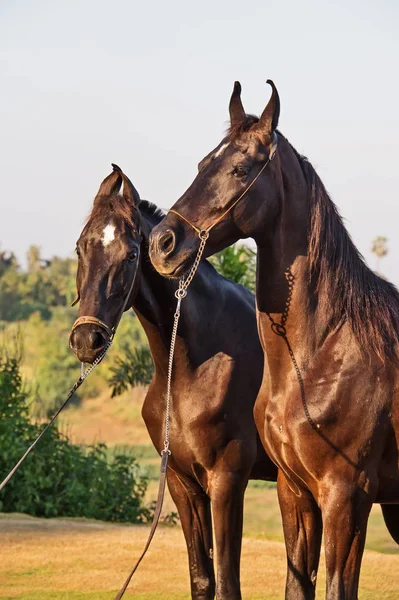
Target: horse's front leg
[
  {"x": 345, "y": 507},
  {"x": 227, "y": 496},
  {"x": 303, "y": 528},
  {"x": 193, "y": 506}
]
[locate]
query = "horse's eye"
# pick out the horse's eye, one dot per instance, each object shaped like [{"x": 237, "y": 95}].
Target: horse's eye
[
  {"x": 240, "y": 171},
  {"x": 132, "y": 255}
]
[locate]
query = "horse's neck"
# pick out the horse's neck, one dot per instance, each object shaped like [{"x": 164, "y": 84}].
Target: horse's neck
[
  {"x": 272, "y": 290},
  {"x": 286, "y": 249},
  {"x": 155, "y": 305}
]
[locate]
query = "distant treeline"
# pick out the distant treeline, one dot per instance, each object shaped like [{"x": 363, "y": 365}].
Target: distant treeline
[{"x": 43, "y": 285}]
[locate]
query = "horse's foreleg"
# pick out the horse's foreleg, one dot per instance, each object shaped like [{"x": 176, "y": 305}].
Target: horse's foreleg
[
  {"x": 346, "y": 506},
  {"x": 227, "y": 496},
  {"x": 303, "y": 528},
  {"x": 194, "y": 510}
]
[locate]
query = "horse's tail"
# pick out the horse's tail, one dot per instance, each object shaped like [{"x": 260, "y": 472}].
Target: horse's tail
[{"x": 391, "y": 518}]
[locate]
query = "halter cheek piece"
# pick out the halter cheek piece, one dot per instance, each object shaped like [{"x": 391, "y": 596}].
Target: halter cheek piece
[{"x": 204, "y": 233}]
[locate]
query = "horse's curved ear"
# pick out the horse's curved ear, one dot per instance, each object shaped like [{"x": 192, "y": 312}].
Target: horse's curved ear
[
  {"x": 111, "y": 185},
  {"x": 129, "y": 191},
  {"x": 77, "y": 298},
  {"x": 237, "y": 112},
  {"x": 269, "y": 120}
]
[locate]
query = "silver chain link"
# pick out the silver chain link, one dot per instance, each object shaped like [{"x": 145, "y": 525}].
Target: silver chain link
[
  {"x": 85, "y": 373},
  {"x": 180, "y": 293}
]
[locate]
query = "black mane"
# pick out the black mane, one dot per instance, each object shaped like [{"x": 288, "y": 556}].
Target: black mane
[
  {"x": 151, "y": 211},
  {"x": 344, "y": 283}
]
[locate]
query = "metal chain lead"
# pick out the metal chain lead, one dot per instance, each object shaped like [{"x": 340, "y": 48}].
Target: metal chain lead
[
  {"x": 170, "y": 370},
  {"x": 280, "y": 330},
  {"x": 185, "y": 282},
  {"x": 180, "y": 293}
]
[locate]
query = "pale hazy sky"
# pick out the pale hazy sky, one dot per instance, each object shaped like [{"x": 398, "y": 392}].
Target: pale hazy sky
[{"x": 147, "y": 85}]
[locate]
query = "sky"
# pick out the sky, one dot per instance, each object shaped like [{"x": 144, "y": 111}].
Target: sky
[{"x": 146, "y": 85}]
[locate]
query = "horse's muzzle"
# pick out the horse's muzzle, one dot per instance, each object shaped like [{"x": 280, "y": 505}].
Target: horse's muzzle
[{"x": 87, "y": 341}]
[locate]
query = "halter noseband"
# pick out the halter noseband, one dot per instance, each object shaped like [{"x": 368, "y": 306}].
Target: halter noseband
[
  {"x": 204, "y": 233},
  {"x": 93, "y": 321}
]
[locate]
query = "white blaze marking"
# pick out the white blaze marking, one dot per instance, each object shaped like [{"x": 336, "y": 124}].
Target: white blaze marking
[
  {"x": 220, "y": 151},
  {"x": 108, "y": 234}
]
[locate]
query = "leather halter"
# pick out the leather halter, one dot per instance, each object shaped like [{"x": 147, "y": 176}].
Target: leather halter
[
  {"x": 89, "y": 319},
  {"x": 93, "y": 321},
  {"x": 204, "y": 233}
]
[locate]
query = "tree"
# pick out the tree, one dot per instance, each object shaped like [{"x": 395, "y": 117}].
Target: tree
[
  {"x": 237, "y": 263},
  {"x": 379, "y": 247},
  {"x": 44, "y": 285},
  {"x": 136, "y": 368},
  {"x": 33, "y": 258},
  {"x": 8, "y": 261}
]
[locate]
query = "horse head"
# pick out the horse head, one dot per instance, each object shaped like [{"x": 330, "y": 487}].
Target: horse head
[{"x": 108, "y": 252}]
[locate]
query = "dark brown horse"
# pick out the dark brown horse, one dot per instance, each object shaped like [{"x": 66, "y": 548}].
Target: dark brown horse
[
  {"x": 217, "y": 374},
  {"x": 328, "y": 411}
]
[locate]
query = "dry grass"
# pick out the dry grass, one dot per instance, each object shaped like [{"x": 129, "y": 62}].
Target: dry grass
[
  {"x": 79, "y": 560},
  {"x": 110, "y": 420}
]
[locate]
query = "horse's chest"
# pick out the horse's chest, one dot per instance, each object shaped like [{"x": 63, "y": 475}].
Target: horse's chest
[
  {"x": 200, "y": 416},
  {"x": 280, "y": 427},
  {"x": 306, "y": 428}
]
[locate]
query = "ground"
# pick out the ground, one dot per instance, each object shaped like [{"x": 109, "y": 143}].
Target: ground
[
  {"x": 76, "y": 560},
  {"x": 69, "y": 559}
]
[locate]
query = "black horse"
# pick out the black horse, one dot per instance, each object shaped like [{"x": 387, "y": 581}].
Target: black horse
[
  {"x": 328, "y": 408},
  {"x": 217, "y": 373}
]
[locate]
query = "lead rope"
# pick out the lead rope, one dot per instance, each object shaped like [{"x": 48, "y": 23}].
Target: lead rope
[
  {"x": 83, "y": 375},
  {"x": 180, "y": 294}
]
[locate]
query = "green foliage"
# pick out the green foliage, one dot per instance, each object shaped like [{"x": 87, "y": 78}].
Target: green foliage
[
  {"x": 50, "y": 365},
  {"x": 237, "y": 263},
  {"x": 56, "y": 367},
  {"x": 61, "y": 479},
  {"x": 45, "y": 284},
  {"x": 135, "y": 368}
]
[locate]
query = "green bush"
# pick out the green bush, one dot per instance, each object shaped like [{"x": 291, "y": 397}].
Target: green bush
[
  {"x": 237, "y": 263},
  {"x": 59, "y": 478},
  {"x": 135, "y": 368}
]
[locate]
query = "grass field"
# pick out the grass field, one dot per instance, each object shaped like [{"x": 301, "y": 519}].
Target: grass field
[
  {"x": 77, "y": 560},
  {"x": 69, "y": 559},
  {"x": 62, "y": 559}
]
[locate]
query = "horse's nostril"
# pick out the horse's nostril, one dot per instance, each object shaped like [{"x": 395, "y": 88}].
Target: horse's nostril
[
  {"x": 167, "y": 242},
  {"x": 97, "y": 340},
  {"x": 73, "y": 341}
]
